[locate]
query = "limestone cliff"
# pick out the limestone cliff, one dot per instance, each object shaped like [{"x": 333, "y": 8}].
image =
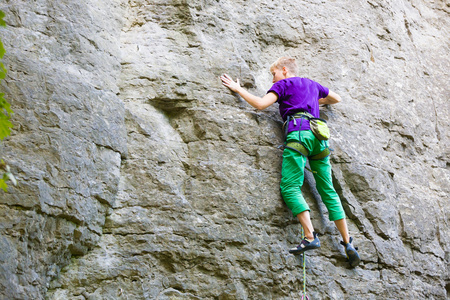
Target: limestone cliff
[{"x": 142, "y": 177}]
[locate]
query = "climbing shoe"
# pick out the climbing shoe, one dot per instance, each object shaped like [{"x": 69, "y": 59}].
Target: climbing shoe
[
  {"x": 306, "y": 245},
  {"x": 352, "y": 254}
]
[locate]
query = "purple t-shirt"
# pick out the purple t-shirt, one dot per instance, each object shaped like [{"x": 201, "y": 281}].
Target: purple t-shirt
[{"x": 298, "y": 94}]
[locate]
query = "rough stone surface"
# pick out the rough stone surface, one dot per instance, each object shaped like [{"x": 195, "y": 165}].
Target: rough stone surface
[
  {"x": 68, "y": 140},
  {"x": 142, "y": 177}
]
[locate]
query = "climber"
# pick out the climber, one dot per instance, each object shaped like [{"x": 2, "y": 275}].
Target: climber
[{"x": 299, "y": 100}]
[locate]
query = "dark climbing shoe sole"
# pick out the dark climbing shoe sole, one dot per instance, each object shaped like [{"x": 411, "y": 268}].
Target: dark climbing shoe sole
[
  {"x": 301, "y": 250},
  {"x": 353, "y": 257},
  {"x": 315, "y": 244}
]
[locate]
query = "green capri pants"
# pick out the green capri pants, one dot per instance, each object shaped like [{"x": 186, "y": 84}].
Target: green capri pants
[{"x": 292, "y": 176}]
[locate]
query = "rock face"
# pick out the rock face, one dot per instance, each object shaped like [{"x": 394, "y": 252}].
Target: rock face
[{"x": 142, "y": 177}]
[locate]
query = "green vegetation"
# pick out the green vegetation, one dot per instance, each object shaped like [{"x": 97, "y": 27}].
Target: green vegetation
[
  {"x": 5, "y": 115},
  {"x": 5, "y": 109}
]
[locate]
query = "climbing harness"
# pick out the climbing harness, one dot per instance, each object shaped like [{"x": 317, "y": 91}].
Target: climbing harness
[
  {"x": 304, "y": 296},
  {"x": 298, "y": 146},
  {"x": 318, "y": 126}
]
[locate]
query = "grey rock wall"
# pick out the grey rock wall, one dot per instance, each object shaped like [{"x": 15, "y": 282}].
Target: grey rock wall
[
  {"x": 142, "y": 177},
  {"x": 68, "y": 141}
]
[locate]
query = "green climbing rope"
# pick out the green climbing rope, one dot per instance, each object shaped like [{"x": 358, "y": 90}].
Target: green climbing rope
[{"x": 304, "y": 273}]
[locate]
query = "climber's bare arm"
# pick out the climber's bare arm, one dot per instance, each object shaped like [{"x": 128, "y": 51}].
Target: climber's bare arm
[
  {"x": 332, "y": 98},
  {"x": 255, "y": 101}
]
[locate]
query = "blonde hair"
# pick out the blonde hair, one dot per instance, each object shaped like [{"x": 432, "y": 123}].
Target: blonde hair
[{"x": 287, "y": 62}]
